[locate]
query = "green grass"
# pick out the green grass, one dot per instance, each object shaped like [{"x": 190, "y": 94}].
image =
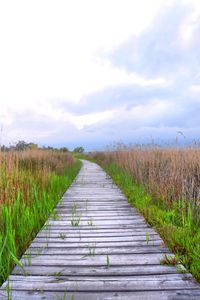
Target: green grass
[
  {"x": 21, "y": 220},
  {"x": 177, "y": 227}
]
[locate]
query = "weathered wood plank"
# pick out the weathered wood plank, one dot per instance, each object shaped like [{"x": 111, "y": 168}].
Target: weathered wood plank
[
  {"x": 178, "y": 294},
  {"x": 98, "y": 222},
  {"x": 95, "y": 233},
  {"x": 64, "y": 217},
  {"x": 93, "y": 271},
  {"x": 98, "y": 250},
  {"x": 91, "y": 230},
  {"x": 98, "y": 244},
  {"x": 99, "y": 227},
  {"x": 105, "y": 239},
  {"x": 95, "y": 260},
  {"x": 102, "y": 284}
]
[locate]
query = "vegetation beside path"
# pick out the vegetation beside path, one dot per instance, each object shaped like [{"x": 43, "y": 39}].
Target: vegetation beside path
[
  {"x": 164, "y": 185},
  {"x": 31, "y": 184}
]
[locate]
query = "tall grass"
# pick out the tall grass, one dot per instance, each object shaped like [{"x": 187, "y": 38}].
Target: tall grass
[
  {"x": 164, "y": 184},
  {"x": 31, "y": 183},
  {"x": 168, "y": 174}
]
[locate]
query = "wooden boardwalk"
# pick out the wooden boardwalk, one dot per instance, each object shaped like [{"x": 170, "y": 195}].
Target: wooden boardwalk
[{"x": 96, "y": 246}]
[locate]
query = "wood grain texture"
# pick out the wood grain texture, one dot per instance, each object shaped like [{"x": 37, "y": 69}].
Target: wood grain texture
[{"x": 96, "y": 246}]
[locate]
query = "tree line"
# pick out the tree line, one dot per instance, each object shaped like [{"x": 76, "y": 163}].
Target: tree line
[{"x": 22, "y": 145}]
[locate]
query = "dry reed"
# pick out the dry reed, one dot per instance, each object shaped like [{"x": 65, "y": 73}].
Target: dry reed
[
  {"x": 15, "y": 168},
  {"x": 169, "y": 174}
]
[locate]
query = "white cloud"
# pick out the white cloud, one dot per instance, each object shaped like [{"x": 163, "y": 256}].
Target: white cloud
[
  {"x": 145, "y": 114},
  {"x": 88, "y": 119},
  {"x": 48, "y": 47},
  {"x": 195, "y": 88},
  {"x": 51, "y": 51},
  {"x": 188, "y": 27}
]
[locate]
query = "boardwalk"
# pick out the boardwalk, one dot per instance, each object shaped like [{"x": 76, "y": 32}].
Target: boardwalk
[{"x": 96, "y": 246}]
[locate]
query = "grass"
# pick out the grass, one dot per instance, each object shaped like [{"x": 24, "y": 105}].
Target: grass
[
  {"x": 75, "y": 219},
  {"x": 64, "y": 297},
  {"x": 171, "y": 204},
  {"x": 90, "y": 222},
  {"x": 8, "y": 291},
  {"x": 63, "y": 236},
  {"x": 91, "y": 249},
  {"x": 31, "y": 184},
  {"x": 147, "y": 237},
  {"x": 169, "y": 260}
]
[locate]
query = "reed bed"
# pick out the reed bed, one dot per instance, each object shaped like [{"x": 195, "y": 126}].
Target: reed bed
[
  {"x": 168, "y": 174},
  {"x": 31, "y": 183},
  {"x": 164, "y": 184}
]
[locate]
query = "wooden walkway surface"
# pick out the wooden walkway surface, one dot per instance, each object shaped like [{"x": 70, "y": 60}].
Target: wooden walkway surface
[{"x": 96, "y": 246}]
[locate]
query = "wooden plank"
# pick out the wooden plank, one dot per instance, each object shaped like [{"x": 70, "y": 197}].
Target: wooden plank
[
  {"x": 93, "y": 271},
  {"x": 80, "y": 239},
  {"x": 96, "y": 209},
  {"x": 94, "y": 233},
  {"x": 96, "y": 260},
  {"x": 105, "y": 229},
  {"x": 84, "y": 217},
  {"x": 98, "y": 244},
  {"x": 85, "y": 207},
  {"x": 130, "y": 283},
  {"x": 98, "y": 250},
  {"x": 95, "y": 227},
  {"x": 98, "y": 222},
  {"x": 179, "y": 294}
]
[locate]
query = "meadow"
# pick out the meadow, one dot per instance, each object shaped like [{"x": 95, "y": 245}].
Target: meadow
[
  {"x": 31, "y": 184},
  {"x": 164, "y": 185}
]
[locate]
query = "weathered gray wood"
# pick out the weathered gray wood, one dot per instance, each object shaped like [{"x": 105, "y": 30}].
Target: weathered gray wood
[
  {"x": 112, "y": 253},
  {"x": 98, "y": 244},
  {"x": 98, "y": 250},
  {"x": 94, "y": 234},
  {"x": 97, "y": 222},
  {"x": 102, "y": 228},
  {"x": 119, "y": 283},
  {"x": 137, "y": 295},
  {"x": 95, "y": 239},
  {"x": 91, "y": 230},
  {"x": 63, "y": 217},
  {"x": 95, "y": 260},
  {"x": 93, "y": 271}
]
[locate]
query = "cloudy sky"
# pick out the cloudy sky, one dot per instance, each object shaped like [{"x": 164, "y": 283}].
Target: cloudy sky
[{"x": 94, "y": 72}]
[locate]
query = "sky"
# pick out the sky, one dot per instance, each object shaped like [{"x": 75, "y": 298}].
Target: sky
[{"x": 97, "y": 72}]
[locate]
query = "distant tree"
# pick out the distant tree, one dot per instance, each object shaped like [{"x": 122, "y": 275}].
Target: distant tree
[
  {"x": 4, "y": 148},
  {"x": 64, "y": 149},
  {"x": 50, "y": 148},
  {"x": 32, "y": 146},
  {"x": 78, "y": 150},
  {"x": 21, "y": 145}
]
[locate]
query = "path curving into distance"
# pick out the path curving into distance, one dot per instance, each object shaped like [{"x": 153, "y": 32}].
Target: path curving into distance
[{"x": 96, "y": 246}]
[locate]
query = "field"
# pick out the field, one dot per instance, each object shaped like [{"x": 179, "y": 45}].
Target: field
[
  {"x": 164, "y": 184},
  {"x": 31, "y": 183}
]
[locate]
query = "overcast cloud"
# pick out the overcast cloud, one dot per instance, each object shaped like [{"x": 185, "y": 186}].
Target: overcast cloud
[{"x": 96, "y": 72}]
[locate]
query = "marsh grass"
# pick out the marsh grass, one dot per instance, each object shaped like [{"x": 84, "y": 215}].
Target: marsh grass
[
  {"x": 169, "y": 174},
  {"x": 31, "y": 183},
  {"x": 164, "y": 184},
  {"x": 75, "y": 219},
  {"x": 91, "y": 249},
  {"x": 169, "y": 260}
]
